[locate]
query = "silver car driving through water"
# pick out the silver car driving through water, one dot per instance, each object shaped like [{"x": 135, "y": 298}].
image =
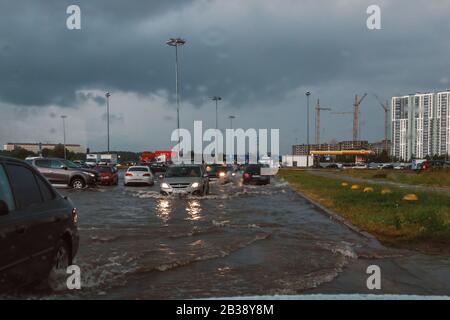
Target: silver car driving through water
[{"x": 185, "y": 179}]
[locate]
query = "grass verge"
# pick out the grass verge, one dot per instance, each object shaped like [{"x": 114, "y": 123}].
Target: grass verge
[
  {"x": 432, "y": 177},
  {"x": 418, "y": 224}
]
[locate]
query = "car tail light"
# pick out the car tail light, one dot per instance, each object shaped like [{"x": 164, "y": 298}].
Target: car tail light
[
  {"x": 146, "y": 174},
  {"x": 128, "y": 174},
  {"x": 74, "y": 216},
  {"x": 247, "y": 175}
]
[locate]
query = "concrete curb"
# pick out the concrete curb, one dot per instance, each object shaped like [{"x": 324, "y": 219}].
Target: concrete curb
[{"x": 333, "y": 215}]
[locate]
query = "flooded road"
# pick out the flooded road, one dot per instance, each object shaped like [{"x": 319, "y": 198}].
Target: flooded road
[{"x": 239, "y": 240}]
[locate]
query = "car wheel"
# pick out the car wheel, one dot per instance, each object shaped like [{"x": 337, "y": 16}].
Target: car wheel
[
  {"x": 61, "y": 260},
  {"x": 78, "y": 183}
]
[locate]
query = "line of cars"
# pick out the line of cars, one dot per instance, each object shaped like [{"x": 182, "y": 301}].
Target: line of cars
[
  {"x": 195, "y": 179},
  {"x": 61, "y": 172},
  {"x": 174, "y": 178}
]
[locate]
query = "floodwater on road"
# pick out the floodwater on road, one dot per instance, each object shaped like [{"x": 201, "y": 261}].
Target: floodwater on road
[{"x": 239, "y": 240}]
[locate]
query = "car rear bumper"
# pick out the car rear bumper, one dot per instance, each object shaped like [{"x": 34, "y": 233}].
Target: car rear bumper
[{"x": 138, "y": 180}]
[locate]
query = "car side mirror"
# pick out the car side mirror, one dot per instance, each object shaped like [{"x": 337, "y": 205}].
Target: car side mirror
[
  {"x": 4, "y": 210},
  {"x": 205, "y": 175},
  {"x": 64, "y": 167}
]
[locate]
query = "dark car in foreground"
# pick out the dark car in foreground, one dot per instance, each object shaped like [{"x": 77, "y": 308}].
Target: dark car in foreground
[
  {"x": 38, "y": 227},
  {"x": 65, "y": 172},
  {"x": 253, "y": 175}
]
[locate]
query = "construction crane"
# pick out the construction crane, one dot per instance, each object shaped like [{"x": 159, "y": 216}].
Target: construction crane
[
  {"x": 356, "y": 115},
  {"x": 385, "y": 107},
  {"x": 318, "y": 109},
  {"x": 343, "y": 113}
]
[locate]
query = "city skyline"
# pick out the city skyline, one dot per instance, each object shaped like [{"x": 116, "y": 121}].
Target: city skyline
[{"x": 49, "y": 70}]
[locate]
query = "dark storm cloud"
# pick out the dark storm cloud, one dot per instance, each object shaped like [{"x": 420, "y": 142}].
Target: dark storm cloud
[{"x": 250, "y": 52}]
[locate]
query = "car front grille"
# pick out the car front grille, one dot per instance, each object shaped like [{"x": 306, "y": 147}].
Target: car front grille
[{"x": 180, "y": 185}]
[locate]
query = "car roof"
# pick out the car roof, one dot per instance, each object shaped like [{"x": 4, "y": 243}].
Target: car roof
[
  {"x": 46, "y": 158},
  {"x": 185, "y": 165},
  {"x": 10, "y": 159}
]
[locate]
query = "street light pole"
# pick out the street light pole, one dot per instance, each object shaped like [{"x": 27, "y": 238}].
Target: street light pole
[
  {"x": 175, "y": 42},
  {"x": 107, "y": 95},
  {"x": 217, "y": 99},
  {"x": 307, "y": 128},
  {"x": 231, "y": 121},
  {"x": 63, "y": 117}
]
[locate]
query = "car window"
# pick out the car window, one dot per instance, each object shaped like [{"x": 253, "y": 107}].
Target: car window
[
  {"x": 56, "y": 164},
  {"x": 24, "y": 186},
  {"x": 253, "y": 169},
  {"x": 46, "y": 191},
  {"x": 5, "y": 190},
  {"x": 43, "y": 163},
  {"x": 139, "y": 169}
]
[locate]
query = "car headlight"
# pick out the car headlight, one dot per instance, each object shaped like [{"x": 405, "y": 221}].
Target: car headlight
[
  {"x": 91, "y": 175},
  {"x": 164, "y": 185},
  {"x": 195, "y": 185},
  {"x": 222, "y": 174}
]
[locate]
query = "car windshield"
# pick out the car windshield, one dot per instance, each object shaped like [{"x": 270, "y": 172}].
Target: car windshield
[{"x": 177, "y": 172}]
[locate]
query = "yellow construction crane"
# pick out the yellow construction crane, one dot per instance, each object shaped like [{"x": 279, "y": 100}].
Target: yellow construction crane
[
  {"x": 318, "y": 109},
  {"x": 385, "y": 107},
  {"x": 356, "y": 105}
]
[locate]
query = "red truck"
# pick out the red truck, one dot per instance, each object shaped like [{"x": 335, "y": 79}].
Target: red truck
[{"x": 158, "y": 156}]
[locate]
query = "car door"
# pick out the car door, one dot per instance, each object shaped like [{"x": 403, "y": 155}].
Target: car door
[
  {"x": 44, "y": 167},
  {"x": 33, "y": 222},
  {"x": 59, "y": 172},
  {"x": 12, "y": 261}
]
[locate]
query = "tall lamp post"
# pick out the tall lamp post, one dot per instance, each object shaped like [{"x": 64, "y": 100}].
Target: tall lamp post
[
  {"x": 216, "y": 99},
  {"x": 176, "y": 42},
  {"x": 63, "y": 117},
  {"x": 107, "y": 95},
  {"x": 231, "y": 121},
  {"x": 307, "y": 128}
]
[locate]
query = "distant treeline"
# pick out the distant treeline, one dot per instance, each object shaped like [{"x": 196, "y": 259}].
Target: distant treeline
[{"x": 58, "y": 152}]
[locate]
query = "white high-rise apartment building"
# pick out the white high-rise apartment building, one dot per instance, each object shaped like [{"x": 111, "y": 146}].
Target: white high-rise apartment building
[
  {"x": 420, "y": 125},
  {"x": 423, "y": 125},
  {"x": 443, "y": 123},
  {"x": 401, "y": 126}
]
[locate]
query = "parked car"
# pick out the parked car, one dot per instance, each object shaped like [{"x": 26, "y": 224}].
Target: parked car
[
  {"x": 185, "y": 179},
  {"x": 138, "y": 175},
  {"x": 38, "y": 227},
  {"x": 158, "y": 167},
  {"x": 109, "y": 175},
  {"x": 252, "y": 175},
  {"x": 212, "y": 170},
  {"x": 65, "y": 172},
  {"x": 225, "y": 174},
  {"x": 387, "y": 166}
]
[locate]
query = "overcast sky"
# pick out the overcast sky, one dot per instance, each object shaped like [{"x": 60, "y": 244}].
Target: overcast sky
[{"x": 259, "y": 55}]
